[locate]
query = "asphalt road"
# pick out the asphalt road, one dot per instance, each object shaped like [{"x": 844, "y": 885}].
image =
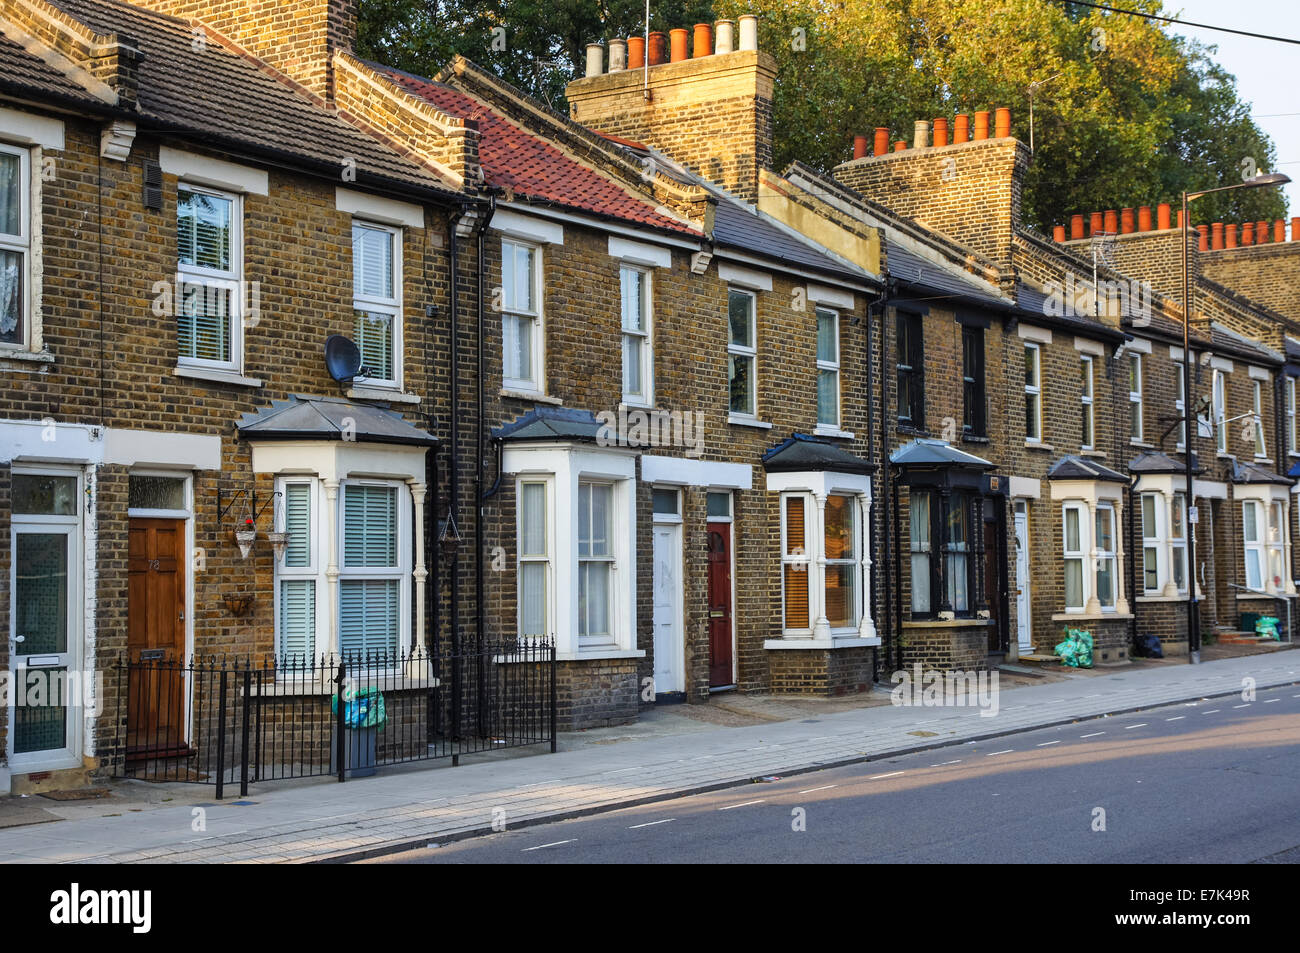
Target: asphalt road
[{"x": 1212, "y": 781}]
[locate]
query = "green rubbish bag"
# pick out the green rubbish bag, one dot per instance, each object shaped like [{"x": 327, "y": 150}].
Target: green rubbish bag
[
  {"x": 364, "y": 709},
  {"x": 1267, "y": 625},
  {"x": 1076, "y": 650}
]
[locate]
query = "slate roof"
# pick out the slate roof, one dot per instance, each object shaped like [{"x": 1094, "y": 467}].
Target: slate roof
[
  {"x": 551, "y": 423},
  {"x": 1254, "y": 473},
  {"x": 1225, "y": 339},
  {"x": 924, "y": 452},
  {"x": 741, "y": 227},
  {"x": 800, "y": 452},
  {"x": 1034, "y": 301},
  {"x": 222, "y": 98},
  {"x": 911, "y": 269},
  {"x": 1153, "y": 461},
  {"x": 328, "y": 418},
  {"x": 1071, "y": 467},
  {"x": 528, "y": 165}
]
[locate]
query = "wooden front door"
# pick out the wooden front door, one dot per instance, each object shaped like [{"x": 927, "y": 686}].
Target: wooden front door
[
  {"x": 720, "y": 631},
  {"x": 156, "y": 637}
]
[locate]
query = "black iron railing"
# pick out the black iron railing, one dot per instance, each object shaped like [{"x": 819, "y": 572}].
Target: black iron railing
[{"x": 220, "y": 720}]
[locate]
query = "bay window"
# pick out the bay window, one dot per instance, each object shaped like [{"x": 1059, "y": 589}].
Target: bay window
[
  {"x": 1276, "y": 529},
  {"x": 1074, "y": 521},
  {"x": 1252, "y": 530},
  {"x": 1151, "y": 544},
  {"x": 1178, "y": 541},
  {"x": 742, "y": 353},
  {"x": 296, "y": 583},
  {"x": 371, "y": 571},
  {"x": 209, "y": 268},
  {"x": 595, "y": 561},
  {"x": 15, "y": 245},
  {"x": 376, "y": 300},
  {"x": 638, "y": 355},
  {"x": 521, "y": 318},
  {"x": 840, "y": 549},
  {"x": 795, "y": 563},
  {"x": 1104, "y": 544},
  {"x": 534, "y": 554},
  {"x": 947, "y": 518}
]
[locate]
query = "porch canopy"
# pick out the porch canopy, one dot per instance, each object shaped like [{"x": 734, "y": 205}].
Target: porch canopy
[{"x": 330, "y": 418}]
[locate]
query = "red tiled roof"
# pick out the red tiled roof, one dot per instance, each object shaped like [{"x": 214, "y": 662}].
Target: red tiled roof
[{"x": 516, "y": 159}]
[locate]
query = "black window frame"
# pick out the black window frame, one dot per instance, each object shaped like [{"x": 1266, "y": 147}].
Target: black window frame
[
  {"x": 909, "y": 364},
  {"x": 941, "y": 500},
  {"x": 974, "y": 384}
]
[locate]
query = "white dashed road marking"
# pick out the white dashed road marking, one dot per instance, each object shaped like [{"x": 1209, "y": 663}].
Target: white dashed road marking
[
  {"x": 1093, "y": 735},
  {"x": 744, "y": 804},
  {"x": 891, "y": 774},
  {"x": 1046, "y": 743},
  {"x": 552, "y": 844},
  {"x": 824, "y": 787},
  {"x": 666, "y": 820},
  {"x": 993, "y": 753}
]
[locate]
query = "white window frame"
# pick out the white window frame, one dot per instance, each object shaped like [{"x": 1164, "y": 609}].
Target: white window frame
[
  {"x": 1080, "y": 555},
  {"x": 1275, "y": 550},
  {"x": 1178, "y": 544},
  {"x": 828, "y": 366},
  {"x": 312, "y": 571},
  {"x": 1153, "y": 541},
  {"x": 1257, "y": 405},
  {"x": 744, "y": 352},
  {"x": 1180, "y": 405},
  {"x": 1255, "y": 547},
  {"x": 798, "y": 556},
  {"x": 1136, "y": 417},
  {"x": 21, "y": 244},
  {"x": 854, "y": 562},
  {"x": 1292, "y": 444},
  {"x": 1035, "y": 391},
  {"x": 231, "y": 279},
  {"x": 545, "y": 558},
  {"x": 1219, "y": 404},
  {"x": 608, "y": 559},
  {"x": 646, "y": 336},
  {"x": 391, "y": 306},
  {"x": 537, "y": 351},
  {"x": 401, "y": 571},
  {"x": 1087, "y": 405},
  {"x": 1106, "y": 510}
]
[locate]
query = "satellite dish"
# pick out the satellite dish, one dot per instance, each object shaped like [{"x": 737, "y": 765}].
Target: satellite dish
[{"x": 342, "y": 358}]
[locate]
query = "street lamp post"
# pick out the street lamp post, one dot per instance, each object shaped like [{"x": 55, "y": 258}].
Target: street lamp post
[{"x": 1193, "y": 607}]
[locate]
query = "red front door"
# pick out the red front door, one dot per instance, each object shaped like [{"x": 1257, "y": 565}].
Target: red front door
[
  {"x": 720, "y": 632},
  {"x": 155, "y": 724}
]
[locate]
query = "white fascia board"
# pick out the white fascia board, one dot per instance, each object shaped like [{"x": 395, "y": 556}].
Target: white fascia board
[
  {"x": 48, "y": 441},
  {"x": 376, "y": 208},
  {"x": 680, "y": 471},
  {"x": 745, "y": 277},
  {"x": 528, "y": 227},
  {"x": 31, "y": 129},
  {"x": 162, "y": 448},
  {"x": 204, "y": 170},
  {"x": 640, "y": 253},
  {"x": 822, "y": 482}
]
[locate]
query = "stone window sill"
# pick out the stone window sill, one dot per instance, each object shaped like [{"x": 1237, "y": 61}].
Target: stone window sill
[
  {"x": 27, "y": 357},
  {"x": 1264, "y": 595},
  {"x": 743, "y": 421},
  {"x": 1039, "y": 445},
  {"x": 834, "y": 432},
  {"x": 1140, "y": 443},
  {"x": 371, "y": 392},
  {"x": 1094, "y": 617},
  {"x": 216, "y": 376},
  {"x": 1095, "y": 454},
  {"x": 796, "y": 643},
  {"x": 945, "y": 623},
  {"x": 535, "y": 396}
]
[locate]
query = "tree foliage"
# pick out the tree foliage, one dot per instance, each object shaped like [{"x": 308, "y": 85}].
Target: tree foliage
[{"x": 1125, "y": 112}]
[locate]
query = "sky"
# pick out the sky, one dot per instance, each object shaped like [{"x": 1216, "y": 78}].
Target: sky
[{"x": 1261, "y": 68}]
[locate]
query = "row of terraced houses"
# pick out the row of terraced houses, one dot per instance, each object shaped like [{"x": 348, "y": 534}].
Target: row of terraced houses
[{"x": 705, "y": 424}]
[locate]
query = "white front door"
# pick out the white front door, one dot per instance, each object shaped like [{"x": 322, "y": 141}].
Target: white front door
[
  {"x": 670, "y": 649},
  {"x": 1024, "y": 632},
  {"x": 45, "y": 696}
]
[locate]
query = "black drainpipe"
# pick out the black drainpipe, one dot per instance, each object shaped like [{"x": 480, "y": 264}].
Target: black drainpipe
[
  {"x": 889, "y": 523},
  {"x": 872, "y": 601},
  {"x": 479, "y": 227},
  {"x": 453, "y": 478}
]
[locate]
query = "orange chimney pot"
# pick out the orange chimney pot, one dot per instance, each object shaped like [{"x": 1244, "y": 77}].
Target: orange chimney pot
[
  {"x": 859, "y": 146},
  {"x": 961, "y": 129},
  {"x": 703, "y": 40},
  {"x": 882, "y": 140},
  {"x": 1204, "y": 232},
  {"x": 1003, "y": 123},
  {"x": 1144, "y": 218},
  {"x": 657, "y": 48},
  {"x": 940, "y": 131},
  {"x": 635, "y": 52},
  {"x": 1162, "y": 216},
  {"x": 981, "y": 125},
  {"x": 1076, "y": 227}
]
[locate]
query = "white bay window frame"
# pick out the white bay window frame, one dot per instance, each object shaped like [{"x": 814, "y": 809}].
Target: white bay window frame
[
  {"x": 1269, "y": 548},
  {"x": 565, "y": 467},
  {"x": 814, "y": 488},
  {"x": 290, "y": 573},
  {"x": 1091, "y": 501},
  {"x": 398, "y": 571}
]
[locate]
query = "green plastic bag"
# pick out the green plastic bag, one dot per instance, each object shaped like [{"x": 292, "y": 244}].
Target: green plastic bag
[
  {"x": 1076, "y": 650},
  {"x": 365, "y": 709},
  {"x": 1267, "y": 625}
]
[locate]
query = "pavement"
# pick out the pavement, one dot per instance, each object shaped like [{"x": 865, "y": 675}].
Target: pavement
[{"x": 411, "y": 806}]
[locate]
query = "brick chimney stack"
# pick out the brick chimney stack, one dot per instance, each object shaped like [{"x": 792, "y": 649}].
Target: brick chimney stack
[
  {"x": 711, "y": 111},
  {"x": 296, "y": 37}
]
